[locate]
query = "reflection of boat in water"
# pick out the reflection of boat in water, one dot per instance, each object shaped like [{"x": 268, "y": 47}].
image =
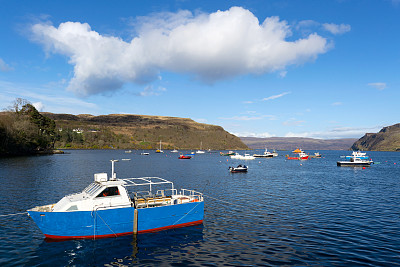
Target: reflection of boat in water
[
  {"x": 355, "y": 162},
  {"x": 239, "y": 168},
  {"x": 301, "y": 156},
  {"x": 111, "y": 207},
  {"x": 121, "y": 251}
]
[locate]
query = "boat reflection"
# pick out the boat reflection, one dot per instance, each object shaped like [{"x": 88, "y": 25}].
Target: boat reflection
[{"x": 124, "y": 250}]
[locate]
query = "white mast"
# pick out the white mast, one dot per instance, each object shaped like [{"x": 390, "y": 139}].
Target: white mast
[{"x": 113, "y": 174}]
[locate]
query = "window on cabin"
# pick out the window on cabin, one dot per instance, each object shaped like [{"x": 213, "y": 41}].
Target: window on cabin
[{"x": 109, "y": 191}]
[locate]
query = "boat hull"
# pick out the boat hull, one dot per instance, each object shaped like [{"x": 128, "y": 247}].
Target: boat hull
[
  {"x": 116, "y": 222},
  {"x": 353, "y": 164},
  {"x": 298, "y": 158}
]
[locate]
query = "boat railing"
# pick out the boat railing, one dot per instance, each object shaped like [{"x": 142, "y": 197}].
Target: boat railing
[{"x": 192, "y": 194}]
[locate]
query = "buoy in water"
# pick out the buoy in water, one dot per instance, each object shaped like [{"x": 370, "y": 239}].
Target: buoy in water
[{"x": 363, "y": 168}]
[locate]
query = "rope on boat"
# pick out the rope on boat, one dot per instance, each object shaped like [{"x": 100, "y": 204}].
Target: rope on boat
[
  {"x": 186, "y": 214},
  {"x": 13, "y": 214},
  {"x": 106, "y": 224}
]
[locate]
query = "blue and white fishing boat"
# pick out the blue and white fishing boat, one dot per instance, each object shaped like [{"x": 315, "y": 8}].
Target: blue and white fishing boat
[
  {"x": 111, "y": 207},
  {"x": 358, "y": 154}
]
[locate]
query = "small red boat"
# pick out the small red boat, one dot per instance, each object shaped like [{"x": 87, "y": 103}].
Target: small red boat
[
  {"x": 302, "y": 156},
  {"x": 184, "y": 157}
]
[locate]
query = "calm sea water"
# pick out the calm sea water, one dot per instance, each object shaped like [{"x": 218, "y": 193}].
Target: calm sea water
[{"x": 279, "y": 213}]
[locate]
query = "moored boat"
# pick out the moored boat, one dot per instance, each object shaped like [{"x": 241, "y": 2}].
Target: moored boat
[
  {"x": 355, "y": 162},
  {"x": 316, "y": 155},
  {"x": 159, "y": 150},
  {"x": 266, "y": 154},
  {"x": 245, "y": 156},
  {"x": 239, "y": 168},
  {"x": 302, "y": 156},
  {"x": 230, "y": 153},
  {"x": 184, "y": 157},
  {"x": 111, "y": 207}
]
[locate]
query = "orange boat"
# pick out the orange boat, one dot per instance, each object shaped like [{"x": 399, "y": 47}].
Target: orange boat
[{"x": 297, "y": 150}]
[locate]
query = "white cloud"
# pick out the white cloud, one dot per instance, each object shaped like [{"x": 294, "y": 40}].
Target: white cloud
[
  {"x": 150, "y": 91},
  {"x": 4, "y": 67},
  {"x": 251, "y": 134},
  {"x": 379, "y": 86},
  {"x": 337, "y": 104},
  {"x": 275, "y": 96},
  {"x": 293, "y": 122},
  {"x": 210, "y": 47},
  {"x": 336, "y": 29},
  {"x": 39, "y": 106}
]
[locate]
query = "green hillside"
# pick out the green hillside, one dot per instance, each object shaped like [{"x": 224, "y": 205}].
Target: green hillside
[{"x": 123, "y": 131}]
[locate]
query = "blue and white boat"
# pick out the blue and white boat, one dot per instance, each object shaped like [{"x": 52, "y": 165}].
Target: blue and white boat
[
  {"x": 111, "y": 207},
  {"x": 358, "y": 154}
]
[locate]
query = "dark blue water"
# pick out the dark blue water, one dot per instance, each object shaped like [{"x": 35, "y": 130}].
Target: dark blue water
[{"x": 279, "y": 213}]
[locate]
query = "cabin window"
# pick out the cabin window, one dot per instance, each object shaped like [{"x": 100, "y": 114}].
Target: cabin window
[{"x": 109, "y": 191}]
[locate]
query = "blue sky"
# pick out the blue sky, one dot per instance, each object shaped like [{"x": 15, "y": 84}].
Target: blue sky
[{"x": 320, "y": 69}]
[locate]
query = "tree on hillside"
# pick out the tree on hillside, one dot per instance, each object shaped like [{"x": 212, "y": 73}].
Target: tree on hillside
[{"x": 23, "y": 130}]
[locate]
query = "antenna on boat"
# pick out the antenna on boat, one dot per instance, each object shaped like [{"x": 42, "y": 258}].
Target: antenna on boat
[{"x": 113, "y": 174}]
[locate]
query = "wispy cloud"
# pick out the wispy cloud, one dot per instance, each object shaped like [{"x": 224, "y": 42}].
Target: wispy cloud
[
  {"x": 293, "y": 122},
  {"x": 4, "y": 67},
  {"x": 252, "y": 134},
  {"x": 338, "y": 132},
  {"x": 379, "y": 86},
  {"x": 336, "y": 29},
  {"x": 44, "y": 98},
  {"x": 243, "y": 118},
  {"x": 244, "y": 46},
  {"x": 275, "y": 96},
  {"x": 150, "y": 91},
  {"x": 336, "y": 104}
]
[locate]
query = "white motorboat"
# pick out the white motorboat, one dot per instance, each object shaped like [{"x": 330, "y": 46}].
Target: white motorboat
[
  {"x": 355, "y": 162},
  {"x": 239, "y": 168},
  {"x": 266, "y": 154}
]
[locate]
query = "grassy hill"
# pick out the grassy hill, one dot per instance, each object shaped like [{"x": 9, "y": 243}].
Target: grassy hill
[
  {"x": 387, "y": 139},
  {"x": 125, "y": 131},
  {"x": 290, "y": 143}
]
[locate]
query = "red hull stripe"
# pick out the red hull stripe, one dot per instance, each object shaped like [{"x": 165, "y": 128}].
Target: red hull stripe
[{"x": 128, "y": 233}]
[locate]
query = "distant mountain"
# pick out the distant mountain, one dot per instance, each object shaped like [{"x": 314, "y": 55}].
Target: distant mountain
[
  {"x": 126, "y": 131},
  {"x": 387, "y": 139},
  {"x": 290, "y": 143}
]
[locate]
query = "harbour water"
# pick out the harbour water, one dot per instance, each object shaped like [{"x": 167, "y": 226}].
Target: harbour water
[{"x": 281, "y": 212}]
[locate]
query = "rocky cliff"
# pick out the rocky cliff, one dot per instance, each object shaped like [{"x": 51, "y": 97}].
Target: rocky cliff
[{"x": 387, "y": 139}]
